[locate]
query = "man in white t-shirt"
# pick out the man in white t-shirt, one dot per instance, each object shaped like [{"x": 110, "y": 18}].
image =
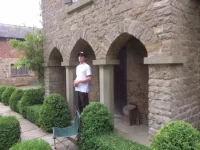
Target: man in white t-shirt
[{"x": 81, "y": 83}]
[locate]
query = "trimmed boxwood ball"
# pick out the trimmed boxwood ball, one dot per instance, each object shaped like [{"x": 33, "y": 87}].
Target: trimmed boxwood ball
[
  {"x": 36, "y": 144},
  {"x": 95, "y": 120},
  {"x": 6, "y": 95},
  {"x": 29, "y": 98},
  {"x": 9, "y": 132},
  {"x": 176, "y": 135},
  {"x": 33, "y": 114},
  {"x": 54, "y": 113},
  {"x": 15, "y": 98},
  {"x": 2, "y": 89}
]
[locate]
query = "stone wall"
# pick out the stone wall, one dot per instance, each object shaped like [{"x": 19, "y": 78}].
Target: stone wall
[
  {"x": 166, "y": 28},
  {"x": 100, "y": 24},
  {"x": 174, "y": 89}
]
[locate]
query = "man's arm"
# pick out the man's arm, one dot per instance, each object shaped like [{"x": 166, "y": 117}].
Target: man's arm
[{"x": 87, "y": 79}]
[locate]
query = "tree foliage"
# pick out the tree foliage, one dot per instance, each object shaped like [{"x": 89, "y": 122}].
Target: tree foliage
[{"x": 32, "y": 49}]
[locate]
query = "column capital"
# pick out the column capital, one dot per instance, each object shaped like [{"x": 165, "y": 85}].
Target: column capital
[
  {"x": 102, "y": 62},
  {"x": 69, "y": 63},
  {"x": 51, "y": 63}
]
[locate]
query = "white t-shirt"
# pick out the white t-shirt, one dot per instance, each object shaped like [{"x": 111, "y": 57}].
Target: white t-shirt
[{"x": 82, "y": 71}]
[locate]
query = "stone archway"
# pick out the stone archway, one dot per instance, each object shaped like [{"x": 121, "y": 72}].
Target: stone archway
[
  {"x": 55, "y": 75},
  {"x": 131, "y": 75},
  {"x": 82, "y": 45}
]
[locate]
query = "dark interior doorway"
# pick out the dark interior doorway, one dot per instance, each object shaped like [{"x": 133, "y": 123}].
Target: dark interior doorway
[{"x": 120, "y": 82}]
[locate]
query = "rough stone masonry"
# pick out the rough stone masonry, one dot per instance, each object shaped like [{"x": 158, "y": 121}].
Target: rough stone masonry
[{"x": 163, "y": 72}]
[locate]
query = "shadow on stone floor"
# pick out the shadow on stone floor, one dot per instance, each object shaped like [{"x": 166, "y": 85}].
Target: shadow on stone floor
[{"x": 134, "y": 133}]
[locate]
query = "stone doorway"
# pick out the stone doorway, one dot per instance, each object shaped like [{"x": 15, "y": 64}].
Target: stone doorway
[
  {"x": 55, "y": 74},
  {"x": 131, "y": 76},
  {"x": 120, "y": 84}
]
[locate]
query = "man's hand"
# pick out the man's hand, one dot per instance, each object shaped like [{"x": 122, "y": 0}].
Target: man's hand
[{"x": 76, "y": 82}]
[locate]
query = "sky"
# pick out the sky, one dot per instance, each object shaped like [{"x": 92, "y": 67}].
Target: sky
[{"x": 21, "y": 12}]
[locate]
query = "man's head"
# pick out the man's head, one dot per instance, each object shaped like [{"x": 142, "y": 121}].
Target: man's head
[{"x": 82, "y": 57}]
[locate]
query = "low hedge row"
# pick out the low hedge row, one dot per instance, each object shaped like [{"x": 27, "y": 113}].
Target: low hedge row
[
  {"x": 53, "y": 113},
  {"x": 15, "y": 98},
  {"x": 114, "y": 142},
  {"x": 9, "y": 132},
  {"x": 2, "y": 89},
  {"x": 7, "y": 94},
  {"x": 35, "y": 144},
  {"x": 33, "y": 114},
  {"x": 29, "y": 98}
]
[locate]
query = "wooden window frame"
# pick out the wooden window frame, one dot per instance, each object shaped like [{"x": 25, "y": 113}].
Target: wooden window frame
[{"x": 18, "y": 72}]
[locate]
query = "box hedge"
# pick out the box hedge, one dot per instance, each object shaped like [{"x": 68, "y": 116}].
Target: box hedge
[
  {"x": 29, "y": 98},
  {"x": 176, "y": 135},
  {"x": 36, "y": 144},
  {"x": 54, "y": 113},
  {"x": 9, "y": 132},
  {"x": 95, "y": 120},
  {"x": 2, "y": 89},
  {"x": 15, "y": 98},
  {"x": 113, "y": 142},
  {"x": 6, "y": 94},
  {"x": 33, "y": 113}
]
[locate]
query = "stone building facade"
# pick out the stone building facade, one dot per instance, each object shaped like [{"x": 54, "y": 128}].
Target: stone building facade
[
  {"x": 141, "y": 51},
  {"x": 8, "y": 57}
]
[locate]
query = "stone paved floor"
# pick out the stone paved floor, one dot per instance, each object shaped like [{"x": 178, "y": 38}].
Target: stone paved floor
[
  {"x": 134, "y": 133},
  {"x": 31, "y": 131}
]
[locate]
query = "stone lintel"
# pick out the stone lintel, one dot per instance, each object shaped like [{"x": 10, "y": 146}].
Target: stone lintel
[
  {"x": 78, "y": 5},
  {"x": 101, "y": 62},
  {"x": 165, "y": 60}
]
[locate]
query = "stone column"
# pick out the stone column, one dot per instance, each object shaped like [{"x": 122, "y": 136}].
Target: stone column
[
  {"x": 106, "y": 80},
  {"x": 165, "y": 99},
  {"x": 70, "y": 93},
  {"x": 54, "y": 77}
]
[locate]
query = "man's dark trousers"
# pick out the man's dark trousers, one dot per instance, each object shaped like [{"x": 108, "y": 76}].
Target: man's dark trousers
[{"x": 83, "y": 100}]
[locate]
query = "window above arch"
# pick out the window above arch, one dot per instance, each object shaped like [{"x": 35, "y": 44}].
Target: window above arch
[
  {"x": 76, "y": 4},
  {"x": 74, "y": 1}
]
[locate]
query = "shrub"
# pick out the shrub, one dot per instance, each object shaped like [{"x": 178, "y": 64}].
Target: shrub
[
  {"x": 54, "y": 113},
  {"x": 29, "y": 98},
  {"x": 95, "y": 120},
  {"x": 2, "y": 89},
  {"x": 36, "y": 144},
  {"x": 9, "y": 132},
  {"x": 14, "y": 99},
  {"x": 177, "y": 135},
  {"x": 113, "y": 142},
  {"x": 33, "y": 113},
  {"x": 6, "y": 95},
  {"x": 19, "y": 108}
]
